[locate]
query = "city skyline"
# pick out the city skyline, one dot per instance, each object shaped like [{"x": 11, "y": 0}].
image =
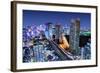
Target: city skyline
[
  {"x": 31, "y": 17},
  {"x": 46, "y": 38}
]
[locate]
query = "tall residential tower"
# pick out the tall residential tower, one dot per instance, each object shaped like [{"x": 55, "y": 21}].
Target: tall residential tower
[{"x": 74, "y": 36}]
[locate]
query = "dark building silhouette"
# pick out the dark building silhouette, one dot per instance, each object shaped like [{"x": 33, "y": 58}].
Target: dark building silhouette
[{"x": 57, "y": 31}]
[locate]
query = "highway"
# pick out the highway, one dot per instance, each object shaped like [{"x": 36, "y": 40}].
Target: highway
[{"x": 62, "y": 53}]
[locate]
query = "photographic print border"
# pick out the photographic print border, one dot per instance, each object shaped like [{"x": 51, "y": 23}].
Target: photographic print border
[{"x": 14, "y": 35}]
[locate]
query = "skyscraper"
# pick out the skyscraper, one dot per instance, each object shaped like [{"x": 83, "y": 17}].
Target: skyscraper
[
  {"x": 48, "y": 31},
  {"x": 66, "y": 30},
  {"x": 74, "y": 36},
  {"x": 58, "y": 32}
]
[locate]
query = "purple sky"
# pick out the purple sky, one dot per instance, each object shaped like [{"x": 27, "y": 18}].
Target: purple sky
[{"x": 41, "y": 17}]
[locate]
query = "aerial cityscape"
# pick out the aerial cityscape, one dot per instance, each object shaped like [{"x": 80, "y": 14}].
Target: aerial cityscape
[{"x": 56, "y": 36}]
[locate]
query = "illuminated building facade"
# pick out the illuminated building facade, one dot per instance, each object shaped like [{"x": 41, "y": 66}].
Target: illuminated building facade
[{"x": 74, "y": 36}]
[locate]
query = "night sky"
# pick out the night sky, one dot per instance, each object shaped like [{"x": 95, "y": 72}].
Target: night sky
[{"x": 41, "y": 17}]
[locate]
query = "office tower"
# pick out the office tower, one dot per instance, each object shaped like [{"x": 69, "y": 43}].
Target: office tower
[
  {"x": 66, "y": 30},
  {"x": 74, "y": 36},
  {"x": 48, "y": 31},
  {"x": 58, "y": 32}
]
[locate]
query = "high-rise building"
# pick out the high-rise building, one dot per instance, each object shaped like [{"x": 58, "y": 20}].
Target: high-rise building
[
  {"x": 48, "y": 31},
  {"x": 74, "y": 36},
  {"x": 58, "y": 32},
  {"x": 66, "y": 30}
]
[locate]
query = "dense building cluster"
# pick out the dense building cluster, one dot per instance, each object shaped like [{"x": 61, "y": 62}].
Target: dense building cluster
[{"x": 41, "y": 43}]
